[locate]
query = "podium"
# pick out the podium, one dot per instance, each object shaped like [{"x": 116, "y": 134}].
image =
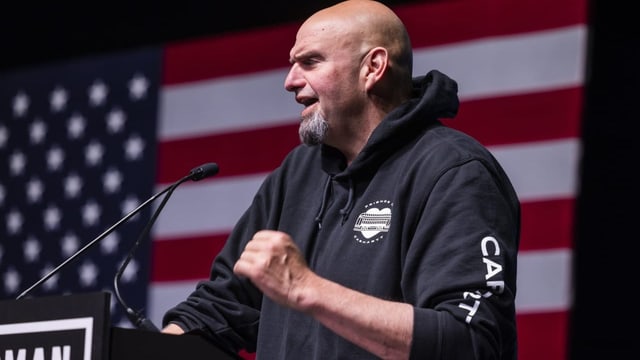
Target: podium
[{"x": 77, "y": 327}]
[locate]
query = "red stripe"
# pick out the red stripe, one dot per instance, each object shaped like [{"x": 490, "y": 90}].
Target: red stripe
[
  {"x": 431, "y": 23},
  {"x": 228, "y": 55},
  {"x": 194, "y": 256},
  {"x": 522, "y": 118},
  {"x": 442, "y": 22},
  {"x": 543, "y": 335},
  {"x": 547, "y": 224},
  {"x": 239, "y": 153},
  {"x": 493, "y": 121},
  {"x": 247, "y": 356}
]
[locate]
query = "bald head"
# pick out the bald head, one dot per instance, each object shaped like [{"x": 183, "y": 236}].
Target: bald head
[
  {"x": 374, "y": 20},
  {"x": 364, "y": 24}
]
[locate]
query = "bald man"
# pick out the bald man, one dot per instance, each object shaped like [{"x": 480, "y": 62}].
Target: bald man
[{"x": 385, "y": 234}]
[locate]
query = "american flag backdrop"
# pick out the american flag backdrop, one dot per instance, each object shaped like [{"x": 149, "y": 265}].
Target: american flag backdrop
[
  {"x": 521, "y": 70},
  {"x": 78, "y": 150}
]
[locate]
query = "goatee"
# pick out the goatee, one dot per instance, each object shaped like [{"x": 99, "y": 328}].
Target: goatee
[{"x": 313, "y": 129}]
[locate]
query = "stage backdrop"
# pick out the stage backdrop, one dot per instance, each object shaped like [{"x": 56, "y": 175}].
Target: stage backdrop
[{"x": 80, "y": 136}]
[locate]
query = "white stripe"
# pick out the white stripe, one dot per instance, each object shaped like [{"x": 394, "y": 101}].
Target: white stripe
[
  {"x": 485, "y": 67},
  {"x": 543, "y": 285},
  {"x": 544, "y": 281},
  {"x": 538, "y": 171},
  {"x": 206, "y": 207},
  {"x": 509, "y": 65},
  {"x": 541, "y": 170},
  {"x": 230, "y": 103}
]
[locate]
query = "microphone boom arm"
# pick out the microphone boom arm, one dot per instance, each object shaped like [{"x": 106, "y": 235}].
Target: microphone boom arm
[
  {"x": 91, "y": 243},
  {"x": 136, "y": 317},
  {"x": 196, "y": 174}
]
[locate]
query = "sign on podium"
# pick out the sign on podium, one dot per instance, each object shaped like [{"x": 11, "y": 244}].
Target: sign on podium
[{"x": 77, "y": 327}]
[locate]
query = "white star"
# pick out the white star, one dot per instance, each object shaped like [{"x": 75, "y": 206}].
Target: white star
[
  {"x": 115, "y": 120},
  {"x": 14, "y": 222},
  {"x": 76, "y": 126},
  {"x": 69, "y": 244},
  {"x": 109, "y": 244},
  {"x": 93, "y": 153},
  {"x": 133, "y": 147},
  {"x": 51, "y": 282},
  {"x": 130, "y": 272},
  {"x": 90, "y": 213},
  {"x": 88, "y": 273},
  {"x": 11, "y": 281},
  {"x": 52, "y": 217},
  {"x": 35, "y": 189},
  {"x": 4, "y": 136},
  {"x": 31, "y": 249},
  {"x": 2, "y": 194},
  {"x": 98, "y": 93},
  {"x": 111, "y": 181},
  {"x": 37, "y": 131},
  {"x": 17, "y": 162},
  {"x": 72, "y": 185},
  {"x": 55, "y": 158},
  {"x": 138, "y": 87},
  {"x": 58, "y": 99},
  {"x": 129, "y": 204},
  {"x": 20, "y": 104}
]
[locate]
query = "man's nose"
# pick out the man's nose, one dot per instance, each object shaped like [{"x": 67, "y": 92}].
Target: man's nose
[{"x": 293, "y": 80}]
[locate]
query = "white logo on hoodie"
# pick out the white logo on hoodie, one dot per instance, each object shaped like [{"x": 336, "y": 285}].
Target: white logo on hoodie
[{"x": 374, "y": 222}]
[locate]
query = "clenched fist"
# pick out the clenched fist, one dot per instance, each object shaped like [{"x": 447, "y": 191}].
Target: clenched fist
[{"x": 275, "y": 265}]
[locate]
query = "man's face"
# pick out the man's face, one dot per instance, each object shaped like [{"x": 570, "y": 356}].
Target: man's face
[{"x": 324, "y": 76}]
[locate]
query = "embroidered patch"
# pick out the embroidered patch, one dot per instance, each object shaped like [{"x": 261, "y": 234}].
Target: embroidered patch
[{"x": 372, "y": 224}]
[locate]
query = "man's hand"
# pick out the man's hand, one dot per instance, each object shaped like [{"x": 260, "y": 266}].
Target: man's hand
[
  {"x": 173, "y": 329},
  {"x": 274, "y": 264}
]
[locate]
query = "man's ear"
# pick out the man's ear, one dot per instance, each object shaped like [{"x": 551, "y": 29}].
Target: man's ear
[{"x": 375, "y": 65}]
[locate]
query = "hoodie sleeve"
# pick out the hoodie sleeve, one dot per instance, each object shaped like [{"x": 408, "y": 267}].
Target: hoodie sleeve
[
  {"x": 225, "y": 308},
  {"x": 460, "y": 273}
]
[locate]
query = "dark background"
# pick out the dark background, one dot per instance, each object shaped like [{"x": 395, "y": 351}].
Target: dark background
[{"x": 605, "y": 311}]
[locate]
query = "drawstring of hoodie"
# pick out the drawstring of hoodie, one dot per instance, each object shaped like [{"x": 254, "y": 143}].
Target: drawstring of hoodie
[
  {"x": 325, "y": 198},
  {"x": 344, "y": 212},
  {"x": 347, "y": 208}
]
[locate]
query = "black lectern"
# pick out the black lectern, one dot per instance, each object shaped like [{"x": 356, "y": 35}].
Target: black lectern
[{"x": 77, "y": 327}]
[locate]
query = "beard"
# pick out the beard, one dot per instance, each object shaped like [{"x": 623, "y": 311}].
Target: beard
[{"x": 313, "y": 129}]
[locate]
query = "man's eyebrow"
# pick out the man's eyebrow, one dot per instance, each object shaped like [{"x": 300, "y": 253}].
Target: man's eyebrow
[
  {"x": 305, "y": 55},
  {"x": 293, "y": 59},
  {"x": 298, "y": 56}
]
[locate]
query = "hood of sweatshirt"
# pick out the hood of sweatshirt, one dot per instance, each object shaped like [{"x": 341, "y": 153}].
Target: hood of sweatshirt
[{"x": 435, "y": 96}]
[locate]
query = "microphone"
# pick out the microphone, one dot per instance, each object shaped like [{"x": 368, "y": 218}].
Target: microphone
[
  {"x": 196, "y": 174},
  {"x": 136, "y": 317},
  {"x": 203, "y": 171}
]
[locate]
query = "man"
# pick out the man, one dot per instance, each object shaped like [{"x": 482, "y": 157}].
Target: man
[{"x": 384, "y": 235}]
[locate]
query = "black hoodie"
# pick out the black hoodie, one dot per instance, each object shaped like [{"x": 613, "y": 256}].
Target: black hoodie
[{"x": 423, "y": 215}]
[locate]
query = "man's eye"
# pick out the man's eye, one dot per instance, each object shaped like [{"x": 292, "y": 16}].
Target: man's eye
[{"x": 309, "y": 62}]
